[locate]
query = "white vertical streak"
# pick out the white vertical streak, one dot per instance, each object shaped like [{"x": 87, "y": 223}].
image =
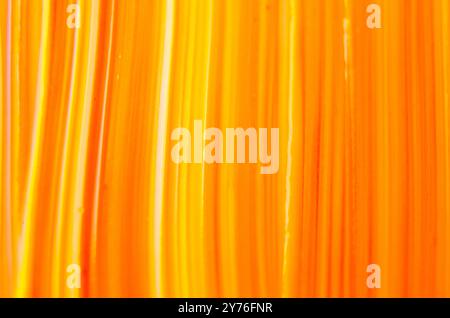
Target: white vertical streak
[
  {"x": 161, "y": 140},
  {"x": 56, "y": 266},
  {"x": 85, "y": 123},
  {"x": 346, "y": 39},
  {"x": 98, "y": 169}
]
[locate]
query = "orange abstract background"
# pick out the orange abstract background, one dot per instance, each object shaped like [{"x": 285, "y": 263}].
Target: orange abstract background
[{"x": 86, "y": 174}]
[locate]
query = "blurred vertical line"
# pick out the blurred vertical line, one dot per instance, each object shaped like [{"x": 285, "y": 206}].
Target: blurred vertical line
[
  {"x": 60, "y": 202},
  {"x": 349, "y": 208},
  {"x": 100, "y": 156},
  {"x": 260, "y": 113},
  {"x": 291, "y": 24},
  {"x": 82, "y": 137},
  {"x": 7, "y": 151},
  {"x": 203, "y": 272},
  {"x": 161, "y": 140},
  {"x": 25, "y": 248}
]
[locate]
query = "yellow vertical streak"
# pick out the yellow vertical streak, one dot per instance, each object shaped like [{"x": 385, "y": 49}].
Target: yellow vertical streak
[
  {"x": 60, "y": 215},
  {"x": 227, "y": 201},
  {"x": 25, "y": 263},
  {"x": 349, "y": 209},
  {"x": 98, "y": 170},
  {"x": 190, "y": 113},
  {"x": 6, "y": 152},
  {"x": 161, "y": 140},
  {"x": 15, "y": 110},
  {"x": 179, "y": 260},
  {"x": 207, "y": 285},
  {"x": 76, "y": 205},
  {"x": 5, "y": 224},
  {"x": 288, "y": 209},
  {"x": 347, "y": 174},
  {"x": 201, "y": 27},
  {"x": 183, "y": 171}
]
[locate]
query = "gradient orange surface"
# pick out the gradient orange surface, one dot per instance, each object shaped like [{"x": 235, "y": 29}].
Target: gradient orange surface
[{"x": 86, "y": 174}]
